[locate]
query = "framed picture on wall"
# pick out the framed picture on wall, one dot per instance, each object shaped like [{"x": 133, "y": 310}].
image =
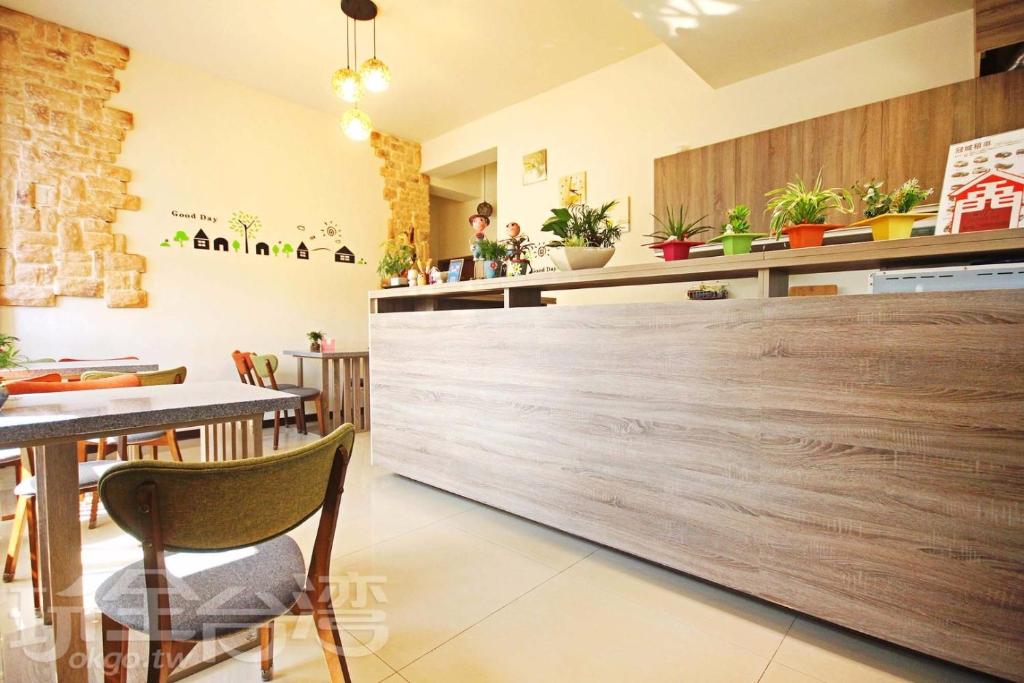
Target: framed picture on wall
[
  {"x": 535, "y": 167},
  {"x": 455, "y": 269}
]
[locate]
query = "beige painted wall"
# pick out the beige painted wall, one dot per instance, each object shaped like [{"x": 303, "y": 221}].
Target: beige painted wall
[
  {"x": 614, "y": 122},
  {"x": 449, "y": 219},
  {"x": 212, "y": 146}
]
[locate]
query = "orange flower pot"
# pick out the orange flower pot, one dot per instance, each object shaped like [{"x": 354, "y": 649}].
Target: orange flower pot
[{"x": 807, "y": 234}]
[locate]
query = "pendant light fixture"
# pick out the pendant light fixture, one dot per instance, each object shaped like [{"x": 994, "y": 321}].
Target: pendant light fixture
[{"x": 373, "y": 75}]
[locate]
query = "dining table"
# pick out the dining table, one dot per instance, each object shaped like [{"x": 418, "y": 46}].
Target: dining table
[{"x": 54, "y": 422}]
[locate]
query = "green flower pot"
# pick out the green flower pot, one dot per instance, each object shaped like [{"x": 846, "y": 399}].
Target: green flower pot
[{"x": 737, "y": 242}]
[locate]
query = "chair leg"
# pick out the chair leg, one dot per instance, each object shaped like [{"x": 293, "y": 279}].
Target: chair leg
[
  {"x": 33, "y": 555},
  {"x": 277, "y": 427},
  {"x": 330, "y": 639},
  {"x": 159, "y": 662},
  {"x": 94, "y": 509},
  {"x": 267, "y": 650},
  {"x": 115, "y": 651},
  {"x": 319, "y": 402},
  {"x": 300, "y": 419},
  {"x": 154, "y": 452},
  {"x": 172, "y": 444},
  {"x": 14, "y": 544}
]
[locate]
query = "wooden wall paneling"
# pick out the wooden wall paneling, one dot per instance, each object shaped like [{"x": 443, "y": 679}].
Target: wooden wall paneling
[
  {"x": 1000, "y": 103},
  {"x": 703, "y": 180},
  {"x": 752, "y": 167},
  {"x": 919, "y": 128},
  {"x": 997, "y": 23}
]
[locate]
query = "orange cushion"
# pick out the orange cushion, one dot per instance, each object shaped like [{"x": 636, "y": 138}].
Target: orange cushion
[{"x": 30, "y": 387}]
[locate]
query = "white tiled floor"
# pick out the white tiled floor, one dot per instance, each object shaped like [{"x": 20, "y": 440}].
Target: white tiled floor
[{"x": 447, "y": 590}]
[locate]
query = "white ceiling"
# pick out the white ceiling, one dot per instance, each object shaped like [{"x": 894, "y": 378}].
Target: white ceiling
[
  {"x": 456, "y": 60},
  {"x": 726, "y": 41},
  {"x": 452, "y": 61}
]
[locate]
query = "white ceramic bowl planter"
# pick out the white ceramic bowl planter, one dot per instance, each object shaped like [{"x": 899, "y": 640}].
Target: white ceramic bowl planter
[{"x": 581, "y": 258}]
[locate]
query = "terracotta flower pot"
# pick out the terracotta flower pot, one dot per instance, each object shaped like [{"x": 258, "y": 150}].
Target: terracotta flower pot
[
  {"x": 675, "y": 250},
  {"x": 807, "y": 234},
  {"x": 314, "y": 347}
]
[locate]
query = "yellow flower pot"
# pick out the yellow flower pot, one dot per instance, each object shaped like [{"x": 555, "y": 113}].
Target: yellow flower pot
[{"x": 891, "y": 226}]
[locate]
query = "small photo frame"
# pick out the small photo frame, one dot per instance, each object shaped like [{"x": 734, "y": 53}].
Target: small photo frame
[{"x": 455, "y": 269}]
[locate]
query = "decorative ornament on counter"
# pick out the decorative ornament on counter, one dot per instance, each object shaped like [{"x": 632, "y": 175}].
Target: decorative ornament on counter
[{"x": 479, "y": 223}]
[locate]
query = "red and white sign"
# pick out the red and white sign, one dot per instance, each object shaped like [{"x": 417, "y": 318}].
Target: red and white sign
[
  {"x": 983, "y": 188},
  {"x": 989, "y": 202}
]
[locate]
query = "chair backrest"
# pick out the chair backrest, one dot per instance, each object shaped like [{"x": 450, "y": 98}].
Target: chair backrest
[
  {"x": 245, "y": 369},
  {"x": 41, "y": 360},
  {"x": 243, "y": 502},
  {"x": 29, "y": 387},
  {"x": 265, "y": 365},
  {"x": 148, "y": 379},
  {"x": 95, "y": 360}
]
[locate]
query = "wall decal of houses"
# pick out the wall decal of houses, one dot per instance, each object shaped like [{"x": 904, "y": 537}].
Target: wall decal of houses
[
  {"x": 262, "y": 249},
  {"x": 302, "y": 251},
  {"x": 201, "y": 241},
  {"x": 221, "y": 244},
  {"x": 344, "y": 255},
  {"x": 989, "y": 202}
]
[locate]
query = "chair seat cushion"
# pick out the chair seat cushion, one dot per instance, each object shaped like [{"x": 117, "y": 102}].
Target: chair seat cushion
[
  {"x": 212, "y": 594},
  {"x": 133, "y": 438},
  {"x": 281, "y": 386},
  {"x": 301, "y": 392},
  {"x": 88, "y": 475}
]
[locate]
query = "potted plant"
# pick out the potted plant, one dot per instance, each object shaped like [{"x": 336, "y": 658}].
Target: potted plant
[
  {"x": 736, "y": 237},
  {"x": 8, "y": 359},
  {"x": 492, "y": 253},
  {"x": 586, "y": 236},
  {"x": 799, "y": 211},
  {"x": 315, "y": 337},
  {"x": 398, "y": 257},
  {"x": 673, "y": 239},
  {"x": 889, "y": 213},
  {"x": 519, "y": 248}
]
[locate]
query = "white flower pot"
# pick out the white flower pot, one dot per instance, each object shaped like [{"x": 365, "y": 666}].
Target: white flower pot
[{"x": 581, "y": 258}]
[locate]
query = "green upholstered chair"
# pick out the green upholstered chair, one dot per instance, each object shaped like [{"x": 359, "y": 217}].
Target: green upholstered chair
[
  {"x": 246, "y": 506},
  {"x": 259, "y": 369}
]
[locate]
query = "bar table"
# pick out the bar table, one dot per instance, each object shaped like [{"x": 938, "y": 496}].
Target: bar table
[{"x": 345, "y": 383}]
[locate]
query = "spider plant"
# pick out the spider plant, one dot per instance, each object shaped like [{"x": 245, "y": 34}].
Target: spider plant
[
  {"x": 675, "y": 226},
  {"x": 797, "y": 204},
  {"x": 583, "y": 226}
]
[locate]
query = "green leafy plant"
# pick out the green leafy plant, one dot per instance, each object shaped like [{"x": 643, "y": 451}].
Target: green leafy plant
[
  {"x": 901, "y": 200},
  {"x": 675, "y": 226},
  {"x": 519, "y": 248},
  {"x": 737, "y": 220},
  {"x": 797, "y": 204},
  {"x": 315, "y": 336},
  {"x": 9, "y": 351},
  {"x": 398, "y": 257},
  {"x": 489, "y": 250},
  {"x": 580, "y": 225}
]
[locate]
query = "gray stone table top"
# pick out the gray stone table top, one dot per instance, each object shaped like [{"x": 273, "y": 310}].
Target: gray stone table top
[
  {"x": 33, "y": 419},
  {"x": 78, "y": 367},
  {"x": 326, "y": 356}
]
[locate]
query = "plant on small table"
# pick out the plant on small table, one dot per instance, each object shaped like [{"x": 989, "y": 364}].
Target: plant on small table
[
  {"x": 315, "y": 337},
  {"x": 799, "y": 211},
  {"x": 736, "y": 237},
  {"x": 397, "y": 259},
  {"x": 492, "y": 253},
  {"x": 586, "y": 236},
  {"x": 673, "y": 239},
  {"x": 889, "y": 213}
]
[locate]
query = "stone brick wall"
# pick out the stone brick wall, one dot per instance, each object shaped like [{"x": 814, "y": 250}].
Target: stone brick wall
[
  {"x": 60, "y": 186},
  {"x": 406, "y": 190}
]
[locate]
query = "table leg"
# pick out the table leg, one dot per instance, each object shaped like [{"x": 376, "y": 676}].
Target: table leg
[
  {"x": 298, "y": 370},
  {"x": 325, "y": 393},
  {"x": 61, "y": 536},
  {"x": 257, "y": 435},
  {"x": 339, "y": 402}
]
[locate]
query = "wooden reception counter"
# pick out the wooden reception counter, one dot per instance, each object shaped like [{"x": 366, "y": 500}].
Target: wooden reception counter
[{"x": 856, "y": 458}]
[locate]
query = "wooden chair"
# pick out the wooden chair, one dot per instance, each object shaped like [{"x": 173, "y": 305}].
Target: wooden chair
[
  {"x": 245, "y": 505},
  {"x": 248, "y": 367},
  {"x": 88, "y": 476}
]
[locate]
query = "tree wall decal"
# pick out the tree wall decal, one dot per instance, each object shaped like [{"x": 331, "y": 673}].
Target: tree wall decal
[
  {"x": 180, "y": 237},
  {"x": 244, "y": 224}
]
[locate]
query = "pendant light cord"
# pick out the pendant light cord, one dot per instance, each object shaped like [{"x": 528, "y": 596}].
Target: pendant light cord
[{"x": 375, "y": 37}]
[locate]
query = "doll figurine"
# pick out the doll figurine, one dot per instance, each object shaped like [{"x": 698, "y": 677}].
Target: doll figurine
[{"x": 479, "y": 224}]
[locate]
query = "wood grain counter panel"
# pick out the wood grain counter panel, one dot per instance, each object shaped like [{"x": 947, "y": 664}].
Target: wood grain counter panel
[{"x": 856, "y": 458}]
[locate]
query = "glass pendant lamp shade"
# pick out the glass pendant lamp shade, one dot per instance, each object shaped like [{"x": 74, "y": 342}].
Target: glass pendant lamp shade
[
  {"x": 356, "y": 124},
  {"x": 375, "y": 75},
  {"x": 347, "y": 85}
]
